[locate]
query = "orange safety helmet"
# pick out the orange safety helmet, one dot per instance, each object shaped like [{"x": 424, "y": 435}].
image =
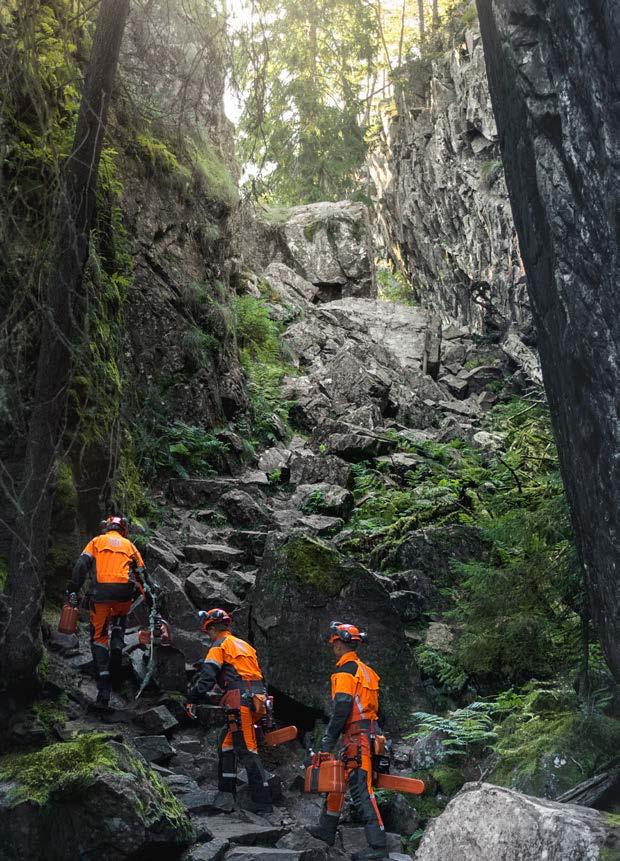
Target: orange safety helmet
[
  {"x": 346, "y": 633},
  {"x": 115, "y": 523},
  {"x": 208, "y": 617}
]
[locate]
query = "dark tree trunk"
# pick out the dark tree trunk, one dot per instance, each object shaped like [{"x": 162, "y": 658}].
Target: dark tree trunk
[
  {"x": 20, "y": 616},
  {"x": 421, "y": 19},
  {"x": 553, "y": 70}
]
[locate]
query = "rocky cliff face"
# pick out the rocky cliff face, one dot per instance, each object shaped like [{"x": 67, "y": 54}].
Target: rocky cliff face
[
  {"x": 441, "y": 195},
  {"x": 559, "y": 135}
]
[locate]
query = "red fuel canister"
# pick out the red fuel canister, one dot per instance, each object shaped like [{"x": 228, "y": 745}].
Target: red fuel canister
[{"x": 68, "y": 619}]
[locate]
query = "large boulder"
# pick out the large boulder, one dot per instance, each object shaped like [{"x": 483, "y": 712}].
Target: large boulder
[
  {"x": 490, "y": 823},
  {"x": 92, "y": 799},
  {"x": 330, "y": 245},
  {"x": 303, "y": 584}
]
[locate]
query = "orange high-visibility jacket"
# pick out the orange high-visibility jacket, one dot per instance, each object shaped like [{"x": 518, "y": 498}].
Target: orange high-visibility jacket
[
  {"x": 233, "y": 665},
  {"x": 112, "y": 560},
  {"x": 355, "y": 696}
]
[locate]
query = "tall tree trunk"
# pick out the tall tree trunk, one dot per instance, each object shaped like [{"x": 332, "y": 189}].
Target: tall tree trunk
[
  {"x": 435, "y": 8},
  {"x": 20, "y": 638},
  {"x": 421, "y": 20},
  {"x": 558, "y": 132}
]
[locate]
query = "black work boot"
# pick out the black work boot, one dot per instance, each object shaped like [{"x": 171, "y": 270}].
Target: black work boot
[
  {"x": 260, "y": 793},
  {"x": 325, "y": 829},
  {"x": 105, "y": 690},
  {"x": 377, "y": 844}
]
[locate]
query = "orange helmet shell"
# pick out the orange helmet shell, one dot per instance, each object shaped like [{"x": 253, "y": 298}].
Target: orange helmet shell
[
  {"x": 346, "y": 633},
  {"x": 208, "y": 617}
]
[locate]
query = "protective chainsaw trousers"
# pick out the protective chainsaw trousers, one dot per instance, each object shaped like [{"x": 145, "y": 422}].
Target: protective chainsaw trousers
[
  {"x": 238, "y": 746},
  {"x": 108, "y": 621},
  {"x": 357, "y": 756}
]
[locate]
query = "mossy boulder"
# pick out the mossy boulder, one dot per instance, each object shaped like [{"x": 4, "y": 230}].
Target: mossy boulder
[
  {"x": 90, "y": 798},
  {"x": 304, "y": 583}
]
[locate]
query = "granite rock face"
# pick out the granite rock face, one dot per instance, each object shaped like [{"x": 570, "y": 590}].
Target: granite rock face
[
  {"x": 559, "y": 134},
  {"x": 491, "y": 823},
  {"x": 327, "y": 244},
  {"x": 441, "y": 196}
]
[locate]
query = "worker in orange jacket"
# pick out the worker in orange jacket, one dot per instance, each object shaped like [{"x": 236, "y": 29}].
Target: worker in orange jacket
[
  {"x": 116, "y": 571},
  {"x": 355, "y": 697},
  {"x": 232, "y": 664}
]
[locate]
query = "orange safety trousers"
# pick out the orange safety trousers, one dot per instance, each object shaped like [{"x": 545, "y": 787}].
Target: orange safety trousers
[
  {"x": 100, "y": 616},
  {"x": 357, "y": 754},
  {"x": 245, "y": 724}
]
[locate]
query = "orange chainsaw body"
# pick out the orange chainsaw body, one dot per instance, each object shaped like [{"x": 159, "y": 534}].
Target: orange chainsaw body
[{"x": 326, "y": 774}]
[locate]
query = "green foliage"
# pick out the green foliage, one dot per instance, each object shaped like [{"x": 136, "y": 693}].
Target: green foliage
[
  {"x": 464, "y": 729},
  {"x": 314, "y": 563},
  {"x": 392, "y": 286},
  {"x": 157, "y": 154},
  {"x": 275, "y": 476},
  {"x": 449, "y": 779},
  {"x": 129, "y": 494},
  {"x": 4, "y": 571},
  {"x": 198, "y": 348},
  {"x": 490, "y": 170},
  {"x": 549, "y": 741},
  {"x": 301, "y": 69},
  {"x": 258, "y": 338},
  {"x": 213, "y": 175},
  {"x": 443, "y": 668},
  {"x": 181, "y": 449},
  {"x": 315, "y": 503}
]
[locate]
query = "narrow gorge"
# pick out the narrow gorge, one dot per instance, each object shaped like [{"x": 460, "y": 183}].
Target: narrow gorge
[{"x": 394, "y": 407}]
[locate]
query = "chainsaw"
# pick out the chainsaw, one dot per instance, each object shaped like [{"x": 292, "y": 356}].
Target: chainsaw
[{"x": 326, "y": 773}]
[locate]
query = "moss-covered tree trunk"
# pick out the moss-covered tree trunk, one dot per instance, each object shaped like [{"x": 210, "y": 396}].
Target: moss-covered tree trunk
[{"x": 22, "y": 604}]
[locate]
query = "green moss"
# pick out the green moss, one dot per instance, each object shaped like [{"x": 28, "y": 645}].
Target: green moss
[
  {"x": 58, "y": 768},
  {"x": 65, "y": 491},
  {"x": 313, "y": 563},
  {"x": 51, "y": 714},
  {"x": 67, "y": 769},
  {"x": 309, "y": 231},
  {"x": 129, "y": 494},
  {"x": 4, "y": 571},
  {"x": 43, "y": 667},
  {"x": 427, "y": 806},
  {"x": 159, "y": 156},
  {"x": 214, "y": 175},
  {"x": 449, "y": 779},
  {"x": 163, "y": 802}
]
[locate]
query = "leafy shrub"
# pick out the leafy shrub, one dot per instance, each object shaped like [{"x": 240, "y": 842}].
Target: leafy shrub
[
  {"x": 392, "y": 286},
  {"x": 181, "y": 449},
  {"x": 548, "y": 741},
  {"x": 464, "y": 729},
  {"x": 442, "y": 668},
  {"x": 258, "y": 337},
  {"x": 197, "y": 347}
]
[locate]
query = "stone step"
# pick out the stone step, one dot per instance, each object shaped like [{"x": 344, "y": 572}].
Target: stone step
[
  {"x": 212, "y": 554},
  {"x": 262, "y": 853},
  {"x": 245, "y": 833}
]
